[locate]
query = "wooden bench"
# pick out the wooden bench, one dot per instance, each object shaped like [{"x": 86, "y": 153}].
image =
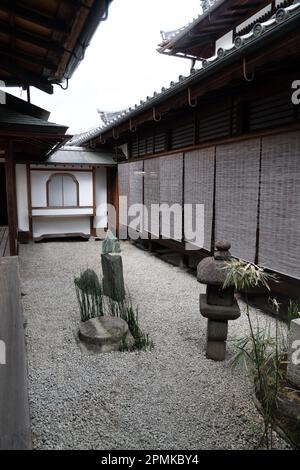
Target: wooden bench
[
  {"x": 14, "y": 407},
  {"x": 4, "y": 242}
]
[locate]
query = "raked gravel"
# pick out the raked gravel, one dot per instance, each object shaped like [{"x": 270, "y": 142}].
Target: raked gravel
[{"x": 169, "y": 398}]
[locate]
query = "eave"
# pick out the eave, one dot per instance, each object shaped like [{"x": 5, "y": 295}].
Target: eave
[
  {"x": 197, "y": 39},
  {"x": 42, "y": 43},
  {"x": 282, "y": 40}
]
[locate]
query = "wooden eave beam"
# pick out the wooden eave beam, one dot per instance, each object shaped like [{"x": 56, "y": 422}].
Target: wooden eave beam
[
  {"x": 28, "y": 133},
  {"x": 31, "y": 38},
  {"x": 26, "y": 77},
  {"x": 24, "y": 56},
  {"x": 29, "y": 14}
]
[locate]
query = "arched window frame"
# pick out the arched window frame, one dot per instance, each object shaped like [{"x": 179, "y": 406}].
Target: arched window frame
[{"x": 77, "y": 190}]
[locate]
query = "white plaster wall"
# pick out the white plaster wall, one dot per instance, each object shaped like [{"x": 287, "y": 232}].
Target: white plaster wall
[
  {"x": 225, "y": 41},
  {"x": 57, "y": 226},
  {"x": 39, "y": 180},
  {"x": 38, "y": 188},
  {"x": 22, "y": 197},
  {"x": 85, "y": 181},
  {"x": 100, "y": 220}
]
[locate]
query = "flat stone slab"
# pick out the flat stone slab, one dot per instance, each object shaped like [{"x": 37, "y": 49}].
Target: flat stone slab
[{"x": 104, "y": 334}]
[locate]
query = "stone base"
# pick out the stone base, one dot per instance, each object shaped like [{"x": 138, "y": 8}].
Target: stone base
[
  {"x": 216, "y": 350},
  {"x": 293, "y": 369},
  {"x": 216, "y": 339},
  {"x": 217, "y": 330},
  {"x": 218, "y": 312},
  {"x": 104, "y": 334}
]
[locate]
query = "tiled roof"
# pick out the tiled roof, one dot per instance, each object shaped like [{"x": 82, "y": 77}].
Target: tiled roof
[
  {"x": 10, "y": 117},
  {"x": 258, "y": 33},
  {"x": 82, "y": 156},
  {"x": 107, "y": 116},
  {"x": 168, "y": 35}
]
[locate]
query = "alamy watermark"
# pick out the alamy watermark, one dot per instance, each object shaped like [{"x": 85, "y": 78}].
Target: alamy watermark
[
  {"x": 2, "y": 353},
  {"x": 2, "y": 93},
  {"x": 296, "y": 92},
  {"x": 169, "y": 221}
]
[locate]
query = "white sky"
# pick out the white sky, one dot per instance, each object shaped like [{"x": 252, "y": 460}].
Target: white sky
[{"x": 121, "y": 65}]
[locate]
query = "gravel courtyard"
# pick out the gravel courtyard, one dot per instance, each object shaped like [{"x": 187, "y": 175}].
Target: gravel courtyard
[{"x": 169, "y": 398}]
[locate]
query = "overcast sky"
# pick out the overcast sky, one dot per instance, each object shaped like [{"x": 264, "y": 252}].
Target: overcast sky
[{"x": 121, "y": 65}]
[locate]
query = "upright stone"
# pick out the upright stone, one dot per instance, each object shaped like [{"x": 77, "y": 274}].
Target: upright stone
[
  {"x": 111, "y": 244},
  {"x": 113, "y": 279},
  {"x": 293, "y": 369}
]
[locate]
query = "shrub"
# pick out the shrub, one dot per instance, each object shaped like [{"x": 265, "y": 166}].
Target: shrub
[
  {"x": 261, "y": 353},
  {"x": 125, "y": 310},
  {"x": 89, "y": 294}
]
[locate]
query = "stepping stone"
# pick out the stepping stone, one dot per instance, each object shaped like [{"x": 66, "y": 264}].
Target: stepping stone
[{"x": 104, "y": 334}]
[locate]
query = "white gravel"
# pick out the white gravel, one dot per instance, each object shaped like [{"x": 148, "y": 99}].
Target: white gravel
[{"x": 169, "y": 398}]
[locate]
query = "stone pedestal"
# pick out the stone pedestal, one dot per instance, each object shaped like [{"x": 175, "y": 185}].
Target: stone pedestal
[
  {"x": 293, "y": 369},
  {"x": 113, "y": 279},
  {"x": 218, "y": 305},
  {"x": 216, "y": 339},
  {"x": 217, "y": 326}
]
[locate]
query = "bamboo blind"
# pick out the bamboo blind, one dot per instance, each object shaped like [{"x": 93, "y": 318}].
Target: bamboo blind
[
  {"x": 123, "y": 178},
  {"x": 279, "y": 241},
  {"x": 151, "y": 195},
  {"x": 237, "y": 189},
  {"x": 171, "y": 178},
  {"x": 136, "y": 189},
  {"x": 199, "y": 187}
]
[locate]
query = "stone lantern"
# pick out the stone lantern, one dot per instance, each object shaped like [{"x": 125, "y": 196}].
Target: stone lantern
[{"x": 218, "y": 305}]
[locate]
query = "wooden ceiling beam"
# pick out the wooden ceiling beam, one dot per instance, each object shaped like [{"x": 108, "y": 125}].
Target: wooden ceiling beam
[
  {"x": 31, "y": 38},
  {"x": 23, "y": 11},
  {"x": 15, "y": 54}
]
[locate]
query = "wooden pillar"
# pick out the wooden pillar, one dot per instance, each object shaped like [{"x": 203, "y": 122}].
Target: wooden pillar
[
  {"x": 11, "y": 197},
  {"x": 113, "y": 194}
]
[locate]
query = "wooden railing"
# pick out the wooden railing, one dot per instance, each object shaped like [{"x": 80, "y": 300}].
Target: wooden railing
[
  {"x": 4, "y": 242},
  {"x": 14, "y": 407}
]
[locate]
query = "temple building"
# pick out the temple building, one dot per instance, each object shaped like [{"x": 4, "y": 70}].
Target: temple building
[{"x": 226, "y": 136}]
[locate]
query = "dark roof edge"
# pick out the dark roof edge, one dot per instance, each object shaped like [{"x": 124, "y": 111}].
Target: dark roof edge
[
  {"x": 86, "y": 36},
  {"x": 189, "y": 26}
]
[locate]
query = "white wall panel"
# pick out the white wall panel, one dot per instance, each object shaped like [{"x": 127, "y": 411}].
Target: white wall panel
[
  {"x": 58, "y": 226},
  {"x": 39, "y": 183},
  {"x": 100, "y": 220},
  {"x": 22, "y": 197}
]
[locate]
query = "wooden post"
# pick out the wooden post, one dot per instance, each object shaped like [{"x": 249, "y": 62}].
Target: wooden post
[
  {"x": 11, "y": 197},
  {"x": 113, "y": 195},
  {"x": 29, "y": 198}
]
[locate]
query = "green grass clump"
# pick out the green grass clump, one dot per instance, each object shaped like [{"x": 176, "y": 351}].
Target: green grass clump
[
  {"x": 89, "y": 294},
  {"x": 125, "y": 310}
]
